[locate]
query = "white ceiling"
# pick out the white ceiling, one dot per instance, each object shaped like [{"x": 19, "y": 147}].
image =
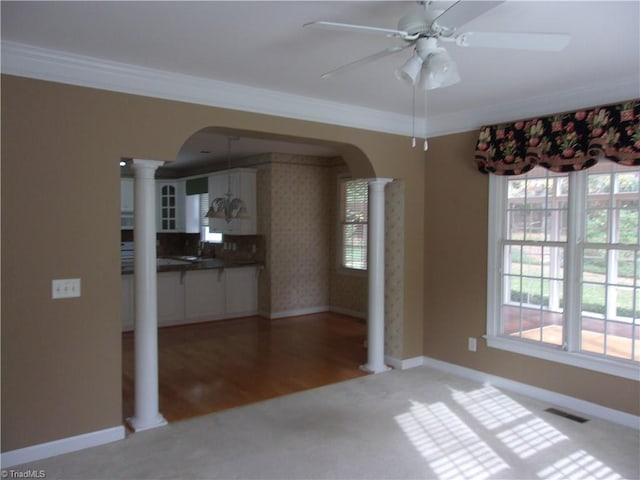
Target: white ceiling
[{"x": 256, "y": 56}]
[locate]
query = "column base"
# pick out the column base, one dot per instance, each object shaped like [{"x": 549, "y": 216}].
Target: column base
[
  {"x": 139, "y": 426},
  {"x": 374, "y": 368}
]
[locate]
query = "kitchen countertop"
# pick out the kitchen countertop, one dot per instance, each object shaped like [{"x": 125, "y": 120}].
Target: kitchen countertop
[{"x": 179, "y": 264}]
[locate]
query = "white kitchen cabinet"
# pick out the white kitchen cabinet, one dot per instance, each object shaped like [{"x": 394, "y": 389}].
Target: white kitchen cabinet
[
  {"x": 242, "y": 182},
  {"x": 126, "y": 194},
  {"x": 126, "y": 203},
  {"x": 193, "y": 218},
  {"x": 197, "y": 295},
  {"x": 170, "y": 205},
  {"x": 241, "y": 291},
  {"x": 128, "y": 302},
  {"x": 204, "y": 295},
  {"x": 170, "y": 298}
]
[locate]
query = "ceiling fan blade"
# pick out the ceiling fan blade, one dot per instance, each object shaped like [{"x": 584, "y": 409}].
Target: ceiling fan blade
[
  {"x": 548, "y": 42},
  {"x": 462, "y": 12},
  {"x": 365, "y": 60},
  {"x": 389, "y": 32}
]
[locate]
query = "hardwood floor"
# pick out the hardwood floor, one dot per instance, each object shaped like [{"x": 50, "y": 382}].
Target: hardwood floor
[{"x": 208, "y": 367}]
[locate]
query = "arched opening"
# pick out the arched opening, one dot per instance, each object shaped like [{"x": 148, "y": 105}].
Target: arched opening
[{"x": 294, "y": 246}]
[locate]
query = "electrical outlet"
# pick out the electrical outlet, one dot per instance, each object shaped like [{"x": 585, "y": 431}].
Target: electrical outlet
[
  {"x": 65, "y": 288},
  {"x": 473, "y": 344}
]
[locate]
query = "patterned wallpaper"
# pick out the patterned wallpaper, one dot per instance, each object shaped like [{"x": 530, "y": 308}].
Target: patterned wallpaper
[
  {"x": 394, "y": 268},
  {"x": 296, "y": 275},
  {"x": 300, "y": 236},
  {"x": 263, "y": 225}
]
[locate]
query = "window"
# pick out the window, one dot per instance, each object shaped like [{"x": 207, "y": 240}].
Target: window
[
  {"x": 354, "y": 217},
  {"x": 205, "y": 234},
  {"x": 564, "y": 266}
]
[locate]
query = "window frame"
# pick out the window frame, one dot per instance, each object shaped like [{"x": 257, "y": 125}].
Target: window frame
[
  {"x": 567, "y": 353},
  {"x": 342, "y": 181}
]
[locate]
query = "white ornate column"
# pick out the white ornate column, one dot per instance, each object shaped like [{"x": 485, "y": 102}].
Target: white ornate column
[
  {"x": 147, "y": 414},
  {"x": 375, "y": 265}
]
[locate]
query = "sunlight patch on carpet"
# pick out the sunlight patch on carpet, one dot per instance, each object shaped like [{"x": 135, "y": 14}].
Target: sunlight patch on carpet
[
  {"x": 578, "y": 465},
  {"x": 452, "y": 449},
  {"x": 491, "y": 407}
]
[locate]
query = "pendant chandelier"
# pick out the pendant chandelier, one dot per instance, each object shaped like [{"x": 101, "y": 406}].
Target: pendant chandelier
[{"x": 226, "y": 206}]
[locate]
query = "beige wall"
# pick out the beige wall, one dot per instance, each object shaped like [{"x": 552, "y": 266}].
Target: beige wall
[
  {"x": 456, "y": 284},
  {"x": 61, "y": 373}
]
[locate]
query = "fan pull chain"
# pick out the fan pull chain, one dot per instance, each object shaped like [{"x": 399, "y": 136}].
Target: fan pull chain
[
  {"x": 426, "y": 142},
  {"x": 413, "y": 118}
]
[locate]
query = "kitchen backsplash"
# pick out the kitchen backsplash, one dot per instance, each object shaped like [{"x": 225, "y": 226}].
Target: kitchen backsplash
[{"x": 239, "y": 248}]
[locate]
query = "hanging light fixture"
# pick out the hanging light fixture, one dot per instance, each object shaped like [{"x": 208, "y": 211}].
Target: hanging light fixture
[
  {"x": 438, "y": 71},
  {"x": 428, "y": 68},
  {"x": 226, "y": 206}
]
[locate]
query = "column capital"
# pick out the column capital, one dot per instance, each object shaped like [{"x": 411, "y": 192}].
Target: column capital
[
  {"x": 379, "y": 181},
  {"x": 140, "y": 165}
]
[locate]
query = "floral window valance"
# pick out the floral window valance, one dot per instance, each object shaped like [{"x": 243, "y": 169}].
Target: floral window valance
[{"x": 563, "y": 142}]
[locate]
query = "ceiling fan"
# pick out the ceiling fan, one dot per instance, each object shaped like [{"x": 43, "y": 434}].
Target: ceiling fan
[{"x": 430, "y": 65}]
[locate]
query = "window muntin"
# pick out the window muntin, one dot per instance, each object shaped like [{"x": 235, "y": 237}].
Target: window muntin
[
  {"x": 610, "y": 312},
  {"x": 354, "y": 223},
  {"x": 533, "y": 257},
  {"x": 566, "y": 278}
]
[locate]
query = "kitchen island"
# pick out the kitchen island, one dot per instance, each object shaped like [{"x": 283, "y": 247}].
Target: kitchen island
[{"x": 196, "y": 289}]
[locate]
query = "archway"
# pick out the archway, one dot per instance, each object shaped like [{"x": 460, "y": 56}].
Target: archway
[{"x": 331, "y": 151}]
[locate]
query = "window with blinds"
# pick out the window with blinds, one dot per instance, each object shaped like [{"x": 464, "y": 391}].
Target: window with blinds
[{"x": 354, "y": 222}]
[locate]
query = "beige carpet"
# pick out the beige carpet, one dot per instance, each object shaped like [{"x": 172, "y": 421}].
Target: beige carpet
[{"x": 412, "y": 424}]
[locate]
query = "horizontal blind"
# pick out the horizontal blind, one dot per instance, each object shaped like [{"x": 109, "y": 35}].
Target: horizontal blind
[
  {"x": 354, "y": 224},
  {"x": 204, "y": 208}
]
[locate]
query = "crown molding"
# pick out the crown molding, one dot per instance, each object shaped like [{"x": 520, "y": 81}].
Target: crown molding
[
  {"x": 616, "y": 90},
  {"x": 62, "y": 67}
]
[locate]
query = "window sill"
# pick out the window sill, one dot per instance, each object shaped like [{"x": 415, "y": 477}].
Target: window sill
[{"x": 619, "y": 368}]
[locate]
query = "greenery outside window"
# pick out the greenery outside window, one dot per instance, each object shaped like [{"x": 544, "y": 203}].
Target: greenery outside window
[
  {"x": 564, "y": 266},
  {"x": 354, "y": 198}
]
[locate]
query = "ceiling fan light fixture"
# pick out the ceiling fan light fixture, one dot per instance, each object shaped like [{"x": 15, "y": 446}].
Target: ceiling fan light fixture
[
  {"x": 438, "y": 71},
  {"x": 410, "y": 70}
]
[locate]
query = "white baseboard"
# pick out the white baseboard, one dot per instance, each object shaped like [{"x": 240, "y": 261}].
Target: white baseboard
[
  {"x": 399, "y": 364},
  {"x": 297, "y": 312},
  {"x": 347, "y": 311},
  {"x": 58, "y": 447},
  {"x": 311, "y": 310},
  {"x": 558, "y": 399}
]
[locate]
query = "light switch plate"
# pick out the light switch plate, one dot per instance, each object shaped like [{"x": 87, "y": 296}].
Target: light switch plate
[
  {"x": 473, "y": 344},
  {"x": 65, "y": 288}
]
